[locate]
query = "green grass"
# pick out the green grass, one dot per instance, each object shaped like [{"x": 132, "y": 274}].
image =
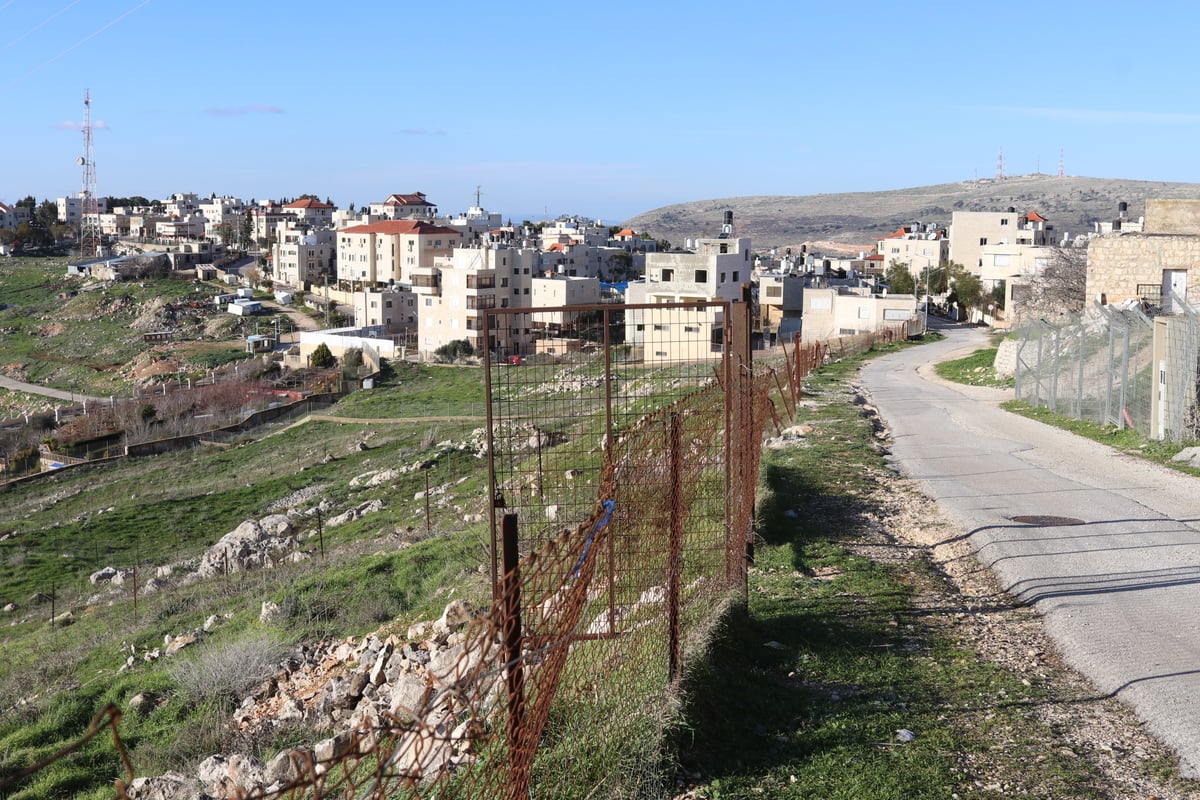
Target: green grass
[
  {"x": 976, "y": 369},
  {"x": 101, "y": 330},
  {"x": 800, "y": 695},
  {"x": 1126, "y": 440},
  {"x": 809, "y": 683},
  {"x": 420, "y": 390}
]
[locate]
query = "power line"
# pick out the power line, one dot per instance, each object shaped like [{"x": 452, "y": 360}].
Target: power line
[
  {"x": 73, "y": 47},
  {"x": 41, "y": 24}
]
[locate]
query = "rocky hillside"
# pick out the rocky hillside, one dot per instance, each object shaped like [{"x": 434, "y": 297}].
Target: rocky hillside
[{"x": 856, "y": 220}]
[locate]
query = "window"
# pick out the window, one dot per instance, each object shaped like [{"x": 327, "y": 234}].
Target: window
[
  {"x": 774, "y": 291},
  {"x": 724, "y": 247},
  {"x": 660, "y": 353},
  {"x": 660, "y": 327},
  {"x": 701, "y": 276},
  {"x": 735, "y": 276},
  {"x": 668, "y": 275},
  {"x": 1004, "y": 220},
  {"x": 387, "y": 304},
  {"x": 691, "y": 328},
  {"x": 982, "y": 241}
]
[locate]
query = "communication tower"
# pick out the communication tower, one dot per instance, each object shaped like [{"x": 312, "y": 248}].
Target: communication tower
[
  {"x": 1061, "y": 171},
  {"x": 90, "y": 242},
  {"x": 1000, "y": 165}
]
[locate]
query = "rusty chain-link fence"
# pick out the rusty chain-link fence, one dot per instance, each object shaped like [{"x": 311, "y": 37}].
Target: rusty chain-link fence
[{"x": 623, "y": 462}]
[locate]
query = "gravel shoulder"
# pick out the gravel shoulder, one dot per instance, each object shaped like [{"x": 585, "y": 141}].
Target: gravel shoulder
[{"x": 964, "y": 601}]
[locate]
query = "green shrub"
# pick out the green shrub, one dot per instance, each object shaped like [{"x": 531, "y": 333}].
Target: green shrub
[
  {"x": 321, "y": 357},
  {"x": 453, "y": 351}
]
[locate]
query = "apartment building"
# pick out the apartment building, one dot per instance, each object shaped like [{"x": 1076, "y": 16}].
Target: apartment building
[
  {"x": 715, "y": 269},
  {"x": 175, "y": 229},
  {"x": 70, "y": 210},
  {"x": 1008, "y": 267},
  {"x": 918, "y": 246},
  {"x": 971, "y": 231},
  {"x": 219, "y": 213},
  {"x": 311, "y": 212},
  {"x": 304, "y": 257},
  {"x": 780, "y": 302},
  {"x": 848, "y": 311},
  {"x": 181, "y": 204},
  {"x": 475, "y": 225},
  {"x": 572, "y": 231},
  {"x": 414, "y": 206},
  {"x": 393, "y": 310},
  {"x": 268, "y": 218},
  {"x": 455, "y": 289},
  {"x": 391, "y": 251}
]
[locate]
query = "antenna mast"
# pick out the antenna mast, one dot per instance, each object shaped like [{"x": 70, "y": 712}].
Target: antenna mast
[
  {"x": 1060, "y": 162},
  {"x": 89, "y": 213},
  {"x": 1000, "y": 165}
]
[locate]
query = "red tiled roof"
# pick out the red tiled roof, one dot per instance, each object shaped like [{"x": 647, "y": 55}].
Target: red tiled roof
[
  {"x": 874, "y": 256},
  {"x": 308, "y": 202},
  {"x": 414, "y": 199},
  {"x": 626, "y": 232},
  {"x": 1033, "y": 216},
  {"x": 556, "y": 246},
  {"x": 900, "y": 233},
  {"x": 395, "y": 226}
]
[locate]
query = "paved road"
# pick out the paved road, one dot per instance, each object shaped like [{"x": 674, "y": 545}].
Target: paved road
[
  {"x": 1119, "y": 592},
  {"x": 46, "y": 391}
]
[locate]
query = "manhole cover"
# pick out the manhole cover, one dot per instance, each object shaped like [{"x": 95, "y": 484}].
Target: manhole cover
[{"x": 1045, "y": 521}]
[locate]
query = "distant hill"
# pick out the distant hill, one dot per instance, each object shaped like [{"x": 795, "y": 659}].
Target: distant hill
[{"x": 855, "y": 220}]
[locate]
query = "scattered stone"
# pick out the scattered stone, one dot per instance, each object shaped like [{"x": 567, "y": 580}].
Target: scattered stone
[{"x": 270, "y": 612}]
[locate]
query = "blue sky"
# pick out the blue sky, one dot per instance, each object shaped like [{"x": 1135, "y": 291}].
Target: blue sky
[{"x": 602, "y": 109}]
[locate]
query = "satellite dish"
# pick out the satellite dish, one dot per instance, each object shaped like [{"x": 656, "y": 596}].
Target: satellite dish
[{"x": 81, "y": 161}]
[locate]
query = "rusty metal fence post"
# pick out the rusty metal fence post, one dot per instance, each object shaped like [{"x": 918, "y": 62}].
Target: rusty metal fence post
[
  {"x": 515, "y": 676},
  {"x": 674, "y": 549},
  {"x": 740, "y": 386}
]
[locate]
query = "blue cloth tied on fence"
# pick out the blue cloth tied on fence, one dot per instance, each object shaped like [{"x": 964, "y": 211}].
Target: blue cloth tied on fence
[{"x": 587, "y": 546}]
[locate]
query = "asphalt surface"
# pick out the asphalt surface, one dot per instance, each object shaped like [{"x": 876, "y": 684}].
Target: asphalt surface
[
  {"x": 46, "y": 391},
  {"x": 1119, "y": 591}
]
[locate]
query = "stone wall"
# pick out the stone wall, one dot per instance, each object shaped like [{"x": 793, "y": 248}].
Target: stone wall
[
  {"x": 1173, "y": 216},
  {"x": 1119, "y": 262}
]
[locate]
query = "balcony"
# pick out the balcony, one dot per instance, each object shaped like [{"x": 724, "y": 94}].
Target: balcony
[{"x": 481, "y": 301}]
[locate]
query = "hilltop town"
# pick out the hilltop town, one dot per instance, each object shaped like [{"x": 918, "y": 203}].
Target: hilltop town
[
  {"x": 400, "y": 279},
  {"x": 412, "y": 279},
  {"x": 202, "y": 488}
]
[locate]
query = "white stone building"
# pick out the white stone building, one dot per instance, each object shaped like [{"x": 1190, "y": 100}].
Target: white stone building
[{"x": 971, "y": 231}]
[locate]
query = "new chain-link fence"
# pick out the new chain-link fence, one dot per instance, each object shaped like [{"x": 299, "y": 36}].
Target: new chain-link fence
[{"x": 1114, "y": 366}]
